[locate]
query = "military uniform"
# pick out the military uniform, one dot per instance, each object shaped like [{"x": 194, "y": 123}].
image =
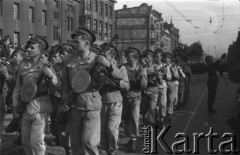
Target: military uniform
[
  {"x": 85, "y": 109},
  {"x": 162, "y": 88},
  {"x": 112, "y": 107},
  {"x": 181, "y": 86},
  {"x": 172, "y": 91},
  {"x": 36, "y": 110},
  {"x": 133, "y": 99},
  {"x": 150, "y": 96}
]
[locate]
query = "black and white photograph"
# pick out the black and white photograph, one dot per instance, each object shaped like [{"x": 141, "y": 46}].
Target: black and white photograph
[{"x": 119, "y": 77}]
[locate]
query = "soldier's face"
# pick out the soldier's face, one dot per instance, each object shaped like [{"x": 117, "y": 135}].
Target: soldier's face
[
  {"x": 64, "y": 55},
  {"x": 7, "y": 42},
  {"x": 57, "y": 58},
  {"x": 18, "y": 57},
  {"x": 33, "y": 50},
  {"x": 132, "y": 57},
  {"x": 168, "y": 61},
  {"x": 80, "y": 43},
  {"x": 158, "y": 57}
]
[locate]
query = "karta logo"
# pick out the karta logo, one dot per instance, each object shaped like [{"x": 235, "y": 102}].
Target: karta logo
[{"x": 181, "y": 144}]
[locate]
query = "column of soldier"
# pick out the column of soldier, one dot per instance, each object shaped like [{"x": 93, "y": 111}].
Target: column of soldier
[{"x": 88, "y": 92}]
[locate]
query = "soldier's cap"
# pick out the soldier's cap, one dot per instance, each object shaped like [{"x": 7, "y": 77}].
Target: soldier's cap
[
  {"x": 147, "y": 52},
  {"x": 17, "y": 50},
  {"x": 159, "y": 51},
  {"x": 131, "y": 50},
  {"x": 86, "y": 32},
  {"x": 66, "y": 47},
  {"x": 37, "y": 39},
  {"x": 168, "y": 55},
  {"x": 7, "y": 37}
]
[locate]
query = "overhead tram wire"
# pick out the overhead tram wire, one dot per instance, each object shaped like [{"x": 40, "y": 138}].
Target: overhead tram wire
[{"x": 182, "y": 15}]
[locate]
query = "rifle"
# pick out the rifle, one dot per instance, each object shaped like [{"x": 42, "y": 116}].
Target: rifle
[{"x": 14, "y": 125}]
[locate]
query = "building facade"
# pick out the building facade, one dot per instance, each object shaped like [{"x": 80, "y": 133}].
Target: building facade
[
  {"x": 166, "y": 42},
  {"x": 138, "y": 27},
  {"x": 174, "y": 32},
  {"x": 98, "y": 16},
  {"x": 55, "y": 19}
]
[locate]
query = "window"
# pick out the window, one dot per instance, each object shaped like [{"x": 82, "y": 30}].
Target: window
[
  {"x": 55, "y": 15},
  {"x": 101, "y": 7},
  {"x": 0, "y": 7},
  {"x": 111, "y": 30},
  {"x": 70, "y": 7},
  {"x": 100, "y": 28},
  {"x": 44, "y": 2},
  {"x": 95, "y": 6},
  {"x": 89, "y": 23},
  {"x": 44, "y": 17},
  {"x": 110, "y": 11},
  {"x": 16, "y": 37},
  {"x": 106, "y": 10},
  {"x": 55, "y": 3},
  {"x": 95, "y": 25},
  {"x": 16, "y": 11},
  {"x": 69, "y": 24},
  {"x": 89, "y": 4},
  {"x": 106, "y": 28},
  {"x": 55, "y": 33},
  {"x": 31, "y": 15}
]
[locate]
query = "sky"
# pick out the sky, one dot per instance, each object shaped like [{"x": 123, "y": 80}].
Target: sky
[{"x": 215, "y": 23}]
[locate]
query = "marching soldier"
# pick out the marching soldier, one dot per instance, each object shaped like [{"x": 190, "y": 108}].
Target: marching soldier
[
  {"x": 112, "y": 101},
  {"x": 150, "y": 94},
  {"x": 138, "y": 81},
  {"x": 61, "y": 130},
  {"x": 31, "y": 92},
  {"x": 85, "y": 108},
  {"x": 172, "y": 87},
  {"x": 11, "y": 74},
  {"x": 164, "y": 72}
]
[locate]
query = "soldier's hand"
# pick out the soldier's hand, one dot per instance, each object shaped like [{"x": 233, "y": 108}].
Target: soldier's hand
[
  {"x": 47, "y": 71},
  {"x": 15, "y": 114},
  {"x": 64, "y": 107},
  {"x": 4, "y": 71},
  {"x": 102, "y": 60}
]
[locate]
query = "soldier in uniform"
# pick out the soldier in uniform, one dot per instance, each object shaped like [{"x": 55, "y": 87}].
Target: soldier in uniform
[
  {"x": 85, "y": 108},
  {"x": 112, "y": 102},
  {"x": 150, "y": 94},
  {"x": 164, "y": 72},
  {"x": 15, "y": 59},
  {"x": 32, "y": 93},
  {"x": 172, "y": 87},
  {"x": 61, "y": 131},
  {"x": 138, "y": 81}
]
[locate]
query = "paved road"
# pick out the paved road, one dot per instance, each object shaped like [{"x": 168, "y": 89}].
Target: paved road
[{"x": 192, "y": 118}]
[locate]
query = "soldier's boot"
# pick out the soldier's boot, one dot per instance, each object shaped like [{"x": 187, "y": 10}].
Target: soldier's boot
[{"x": 133, "y": 145}]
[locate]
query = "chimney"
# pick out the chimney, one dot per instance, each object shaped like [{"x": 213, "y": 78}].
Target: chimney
[{"x": 124, "y": 6}]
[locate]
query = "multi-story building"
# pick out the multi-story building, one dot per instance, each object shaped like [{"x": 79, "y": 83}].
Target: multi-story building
[
  {"x": 138, "y": 27},
  {"x": 174, "y": 32},
  {"x": 166, "y": 42},
  {"x": 55, "y": 19},
  {"x": 98, "y": 16}
]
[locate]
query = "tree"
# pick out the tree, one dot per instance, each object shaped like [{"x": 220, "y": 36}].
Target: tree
[{"x": 196, "y": 51}]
